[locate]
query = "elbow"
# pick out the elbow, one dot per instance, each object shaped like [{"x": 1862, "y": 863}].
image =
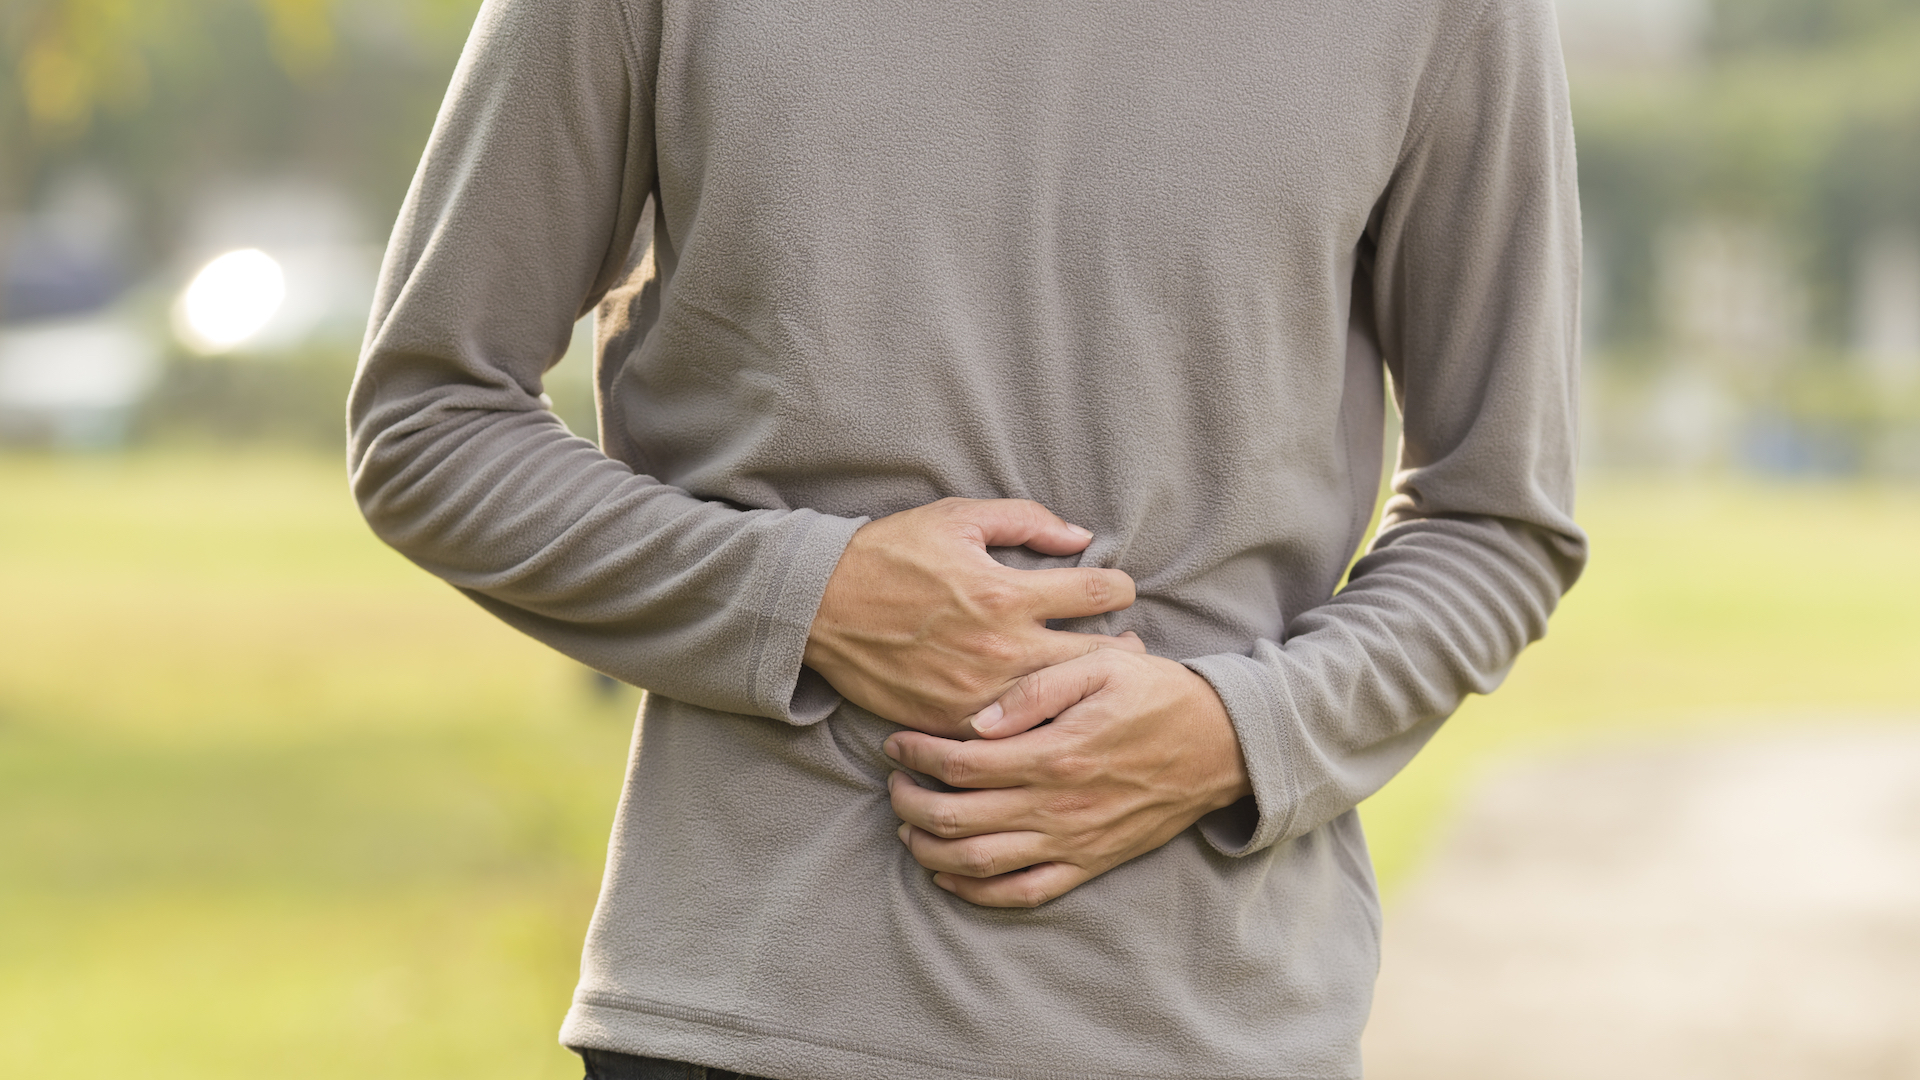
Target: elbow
[
  {"x": 369, "y": 465},
  {"x": 392, "y": 447}
]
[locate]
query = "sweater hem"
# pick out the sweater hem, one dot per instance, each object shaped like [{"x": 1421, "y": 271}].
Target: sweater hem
[{"x": 632, "y": 1025}]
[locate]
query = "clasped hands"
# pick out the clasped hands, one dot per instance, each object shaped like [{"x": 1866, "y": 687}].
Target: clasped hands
[{"x": 921, "y": 626}]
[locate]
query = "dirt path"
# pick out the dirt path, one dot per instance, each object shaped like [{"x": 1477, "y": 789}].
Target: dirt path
[{"x": 1747, "y": 910}]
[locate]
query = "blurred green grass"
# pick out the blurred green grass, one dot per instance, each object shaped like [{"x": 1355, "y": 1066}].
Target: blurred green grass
[
  {"x": 1711, "y": 608},
  {"x": 272, "y": 800}
]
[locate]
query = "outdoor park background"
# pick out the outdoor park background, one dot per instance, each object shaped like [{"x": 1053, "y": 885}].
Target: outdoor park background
[{"x": 273, "y": 800}]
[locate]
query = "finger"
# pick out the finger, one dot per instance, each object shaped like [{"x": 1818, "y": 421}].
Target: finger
[
  {"x": 1051, "y": 649},
  {"x": 1045, "y": 648},
  {"x": 1044, "y": 694},
  {"x": 1020, "y": 889},
  {"x": 1065, "y": 645},
  {"x": 1020, "y": 523},
  {"x": 954, "y": 814},
  {"x": 1037, "y": 647},
  {"x": 1075, "y": 592},
  {"x": 974, "y": 764},
  {"x": 977, "y": 856}
]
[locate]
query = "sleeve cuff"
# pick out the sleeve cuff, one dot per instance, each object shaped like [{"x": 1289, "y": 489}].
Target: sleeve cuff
[
  {"x": 782, "y": 687},
  {"x": 1259, "y": 711}
]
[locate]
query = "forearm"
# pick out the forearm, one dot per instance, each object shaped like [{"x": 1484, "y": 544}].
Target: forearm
[
  {"x": 528, "y": 200},
  {"x": 1467, "y": 284},
  {"x": 692, "y": 599},
  {"x": 1436, "y": 611}
]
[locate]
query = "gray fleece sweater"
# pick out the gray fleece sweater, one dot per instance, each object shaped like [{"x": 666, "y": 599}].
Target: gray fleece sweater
[{"x": 1147, "y": 263}]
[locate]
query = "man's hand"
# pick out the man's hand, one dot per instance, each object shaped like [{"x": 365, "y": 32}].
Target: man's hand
[
  {"x": 1139, "y": 748},
  {"x": 922, "y": 627}
]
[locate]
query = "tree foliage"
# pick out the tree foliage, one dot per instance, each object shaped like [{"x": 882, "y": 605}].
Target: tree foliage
[
  {"x": 1803, "y": 115},
  {"x": 164, "y": 95}
]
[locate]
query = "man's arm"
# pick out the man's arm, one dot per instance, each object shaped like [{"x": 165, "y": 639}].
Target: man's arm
[
  {"x": 521, "y": 216},
  {"x": 1469, "y": 284}
]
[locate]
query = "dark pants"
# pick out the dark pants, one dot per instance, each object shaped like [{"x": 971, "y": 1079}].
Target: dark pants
[{"x": 608, "y": 1065}]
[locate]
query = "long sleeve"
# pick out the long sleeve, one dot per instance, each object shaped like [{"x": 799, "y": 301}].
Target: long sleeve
[
  {"x": 521, "y": 217},
  {"x": 1468, "y": 286}
]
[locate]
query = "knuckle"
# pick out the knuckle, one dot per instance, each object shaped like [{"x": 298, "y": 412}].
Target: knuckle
[
  {"x": 975, "y": 861},
  {"x": 957, "y": 770},
  {"x": 1098, "y": 588},
  {"x": 1019, "y": 694},
  {"x": 945, "y": 822},
  {"x": 1067, "y": 768},
  {"x": 996, "y": 649},
  {"x": 996, "y": 597}
]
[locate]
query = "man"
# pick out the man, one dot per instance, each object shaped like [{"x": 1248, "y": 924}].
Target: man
[{"x": 995, "y": 363}]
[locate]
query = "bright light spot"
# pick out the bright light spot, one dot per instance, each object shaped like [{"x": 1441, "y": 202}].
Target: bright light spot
[{"x": 231, "y": 299}]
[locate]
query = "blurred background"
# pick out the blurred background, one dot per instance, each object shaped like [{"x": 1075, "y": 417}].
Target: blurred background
[{"x": 271, "y": 798}]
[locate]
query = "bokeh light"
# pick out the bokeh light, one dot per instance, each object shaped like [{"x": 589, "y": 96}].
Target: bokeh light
[{"x": 230, "y": 300}]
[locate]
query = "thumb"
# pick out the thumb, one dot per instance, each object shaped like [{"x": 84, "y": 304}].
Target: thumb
[
  {"x": 1021, "y": 523},
  {"x": 1044, "y": 694}
]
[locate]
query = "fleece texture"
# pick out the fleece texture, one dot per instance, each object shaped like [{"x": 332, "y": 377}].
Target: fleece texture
[{"x": 1154, "y": 265}]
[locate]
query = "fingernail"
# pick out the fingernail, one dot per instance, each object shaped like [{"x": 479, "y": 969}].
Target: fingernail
[
  {"x": 989, "y": 718},
  {"x": 941, "y": 880},
  {"x": 1084, "y": 534},
  {"x": 901, "y": 832},
  {"x": 887, "y": 748}
]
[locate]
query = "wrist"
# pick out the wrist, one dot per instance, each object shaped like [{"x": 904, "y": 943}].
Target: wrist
[
  {"x": 1227, "y": 778},
  {"x": 824, "y": 647}
]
